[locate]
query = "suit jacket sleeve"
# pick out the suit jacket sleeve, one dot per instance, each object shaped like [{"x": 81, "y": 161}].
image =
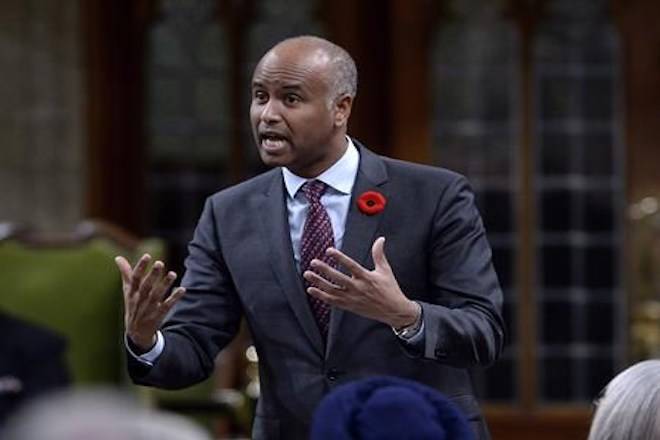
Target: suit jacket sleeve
[
  {"x": 462, "y": 316},
  {"x": 204, "y": 320}
]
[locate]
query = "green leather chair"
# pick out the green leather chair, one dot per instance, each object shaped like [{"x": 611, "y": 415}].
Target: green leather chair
[{"x": 70, "y": 285}]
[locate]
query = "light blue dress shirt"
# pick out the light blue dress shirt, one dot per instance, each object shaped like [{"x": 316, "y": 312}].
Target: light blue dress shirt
[{"x": 336, "y": 200}]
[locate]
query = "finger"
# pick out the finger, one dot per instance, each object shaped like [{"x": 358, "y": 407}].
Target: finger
[
  {"x": 142, "y": 304},
  {"x": 172, "y": 299},
  {"x": 330, "y": 273},
  {"x": 318, "y": 281},
  {"x": 323, "y": 295},
  {"x": 351, "y": 265},
  {"x": 139, "y": 271},
  {"x": 158, "y": 292},
  {"x": 378, "y": 253},
  {"x": 124, "y": 269},
  {"x": 154, "y": 277},
  {"x": 141, "y": 265}
]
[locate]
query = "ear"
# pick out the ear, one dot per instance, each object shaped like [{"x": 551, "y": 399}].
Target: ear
[{"x": 343, "y": 106}]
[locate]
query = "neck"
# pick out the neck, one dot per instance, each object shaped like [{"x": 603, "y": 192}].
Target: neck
[{"x": 334, "y": 154}]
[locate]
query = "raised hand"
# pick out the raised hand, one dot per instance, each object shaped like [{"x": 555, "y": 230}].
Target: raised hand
[
  {"x": 373, "y": 294},
  {"x": 145, "y": 299}
]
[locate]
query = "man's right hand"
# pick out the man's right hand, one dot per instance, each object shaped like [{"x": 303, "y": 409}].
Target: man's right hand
[{"x": 145, "y": 300}]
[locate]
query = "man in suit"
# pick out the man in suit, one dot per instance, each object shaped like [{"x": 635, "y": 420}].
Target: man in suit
[{"x": 299, "y": 251}]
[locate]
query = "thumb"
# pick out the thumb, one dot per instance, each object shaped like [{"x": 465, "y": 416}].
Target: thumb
[
  {"x": 378, "y": 254},
  {"x": 124, "y": 268}
]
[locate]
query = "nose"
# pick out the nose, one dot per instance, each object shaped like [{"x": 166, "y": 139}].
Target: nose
[{"x": 270, "y": 113}]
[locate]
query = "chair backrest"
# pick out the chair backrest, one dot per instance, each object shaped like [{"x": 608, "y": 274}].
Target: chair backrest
[{"x": 70, "y": 285}]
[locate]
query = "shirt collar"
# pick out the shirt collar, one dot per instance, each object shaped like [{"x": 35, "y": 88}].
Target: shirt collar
[{"x": 340, "y": 176}]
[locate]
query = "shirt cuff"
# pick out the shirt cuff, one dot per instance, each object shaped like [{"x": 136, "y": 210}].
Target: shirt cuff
[{"x": 149, "y": 357}]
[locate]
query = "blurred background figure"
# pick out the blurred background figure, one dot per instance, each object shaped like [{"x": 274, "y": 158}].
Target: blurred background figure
[
  {"x": 389, "y": 408},
  {"x": 31, "y": 363},
  {"x": 100, "y": 415},
  {"x": 629, "y": 407}
]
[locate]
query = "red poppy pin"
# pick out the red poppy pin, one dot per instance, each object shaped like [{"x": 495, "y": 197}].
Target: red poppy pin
[{"x": 371, "y": 202}]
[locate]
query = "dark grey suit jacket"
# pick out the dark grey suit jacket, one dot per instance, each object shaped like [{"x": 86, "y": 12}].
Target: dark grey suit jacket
[{"x": 241, "y": 263}]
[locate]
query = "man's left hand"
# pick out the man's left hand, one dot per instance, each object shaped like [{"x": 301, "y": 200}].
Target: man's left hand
[{"x": 374, "y": 294}]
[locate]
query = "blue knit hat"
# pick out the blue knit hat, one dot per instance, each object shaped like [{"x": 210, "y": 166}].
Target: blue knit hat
[{"x": 384, "y": 408}]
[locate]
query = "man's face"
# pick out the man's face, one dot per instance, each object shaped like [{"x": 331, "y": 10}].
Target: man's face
[{"x": 293, "y": 121}]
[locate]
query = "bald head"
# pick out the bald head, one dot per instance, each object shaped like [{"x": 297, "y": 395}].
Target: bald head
[
  {"x": 339, "y": 67},
  {"x": 302, "y": 95}
]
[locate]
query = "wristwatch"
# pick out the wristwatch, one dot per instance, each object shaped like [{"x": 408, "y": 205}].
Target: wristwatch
[{"x": 411, "y": 330}]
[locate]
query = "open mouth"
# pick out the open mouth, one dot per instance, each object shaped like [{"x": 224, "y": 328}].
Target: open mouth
[{"x": 272, "y": 141}]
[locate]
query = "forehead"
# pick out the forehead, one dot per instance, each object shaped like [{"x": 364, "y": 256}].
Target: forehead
[{"x": 304, "y": 69}]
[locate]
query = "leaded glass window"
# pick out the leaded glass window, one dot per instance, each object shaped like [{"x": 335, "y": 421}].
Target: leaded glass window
[
  {"x": 574, "y": 200},
  {"x": 188, "y": 116},
  {"x": 475, "y": 88},
  {"x": 579, "y": 191}
]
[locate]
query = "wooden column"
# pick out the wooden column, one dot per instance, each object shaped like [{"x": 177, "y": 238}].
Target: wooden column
[
  {"x": 410, "y": 83},
  {"x": 362, "y": 28},
  {"x": 113, "y": 36},
  {"x": 641, "y": 73}
]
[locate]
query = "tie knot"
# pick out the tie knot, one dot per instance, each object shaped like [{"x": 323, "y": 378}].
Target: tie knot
[{"x": 313, "y": 190}]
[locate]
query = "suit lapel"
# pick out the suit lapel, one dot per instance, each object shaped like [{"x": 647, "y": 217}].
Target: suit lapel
[
  {"x": 361, "y": 229},
  {"x": 275, "y": 228}
]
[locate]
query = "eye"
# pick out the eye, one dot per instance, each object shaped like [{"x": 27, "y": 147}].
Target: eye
[
  {"x": 259, "y": 96},
  {"x": 292, "y": 99}
]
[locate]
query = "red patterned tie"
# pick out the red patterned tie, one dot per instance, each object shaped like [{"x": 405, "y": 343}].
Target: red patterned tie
[{"x": 317, "y": 236}]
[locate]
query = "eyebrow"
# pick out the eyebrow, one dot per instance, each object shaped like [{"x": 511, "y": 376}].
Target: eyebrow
[
  {"x": 296, "y": 86},
  {"x": 290, "y": 86}
]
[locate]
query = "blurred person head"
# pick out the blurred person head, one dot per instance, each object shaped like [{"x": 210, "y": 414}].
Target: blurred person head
[
  {"x": 629, "y": 406},
  {"x": 384, "y": 408},
  {"x": 32, "y": 363},
  {"x": 98, "y": 415}
]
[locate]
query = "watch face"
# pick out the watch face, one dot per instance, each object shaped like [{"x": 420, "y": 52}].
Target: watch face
[
  {"x": 403, "y": 332},
  {"x": 408, "y": 332},
  {"x": 411, "y": 330}
]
